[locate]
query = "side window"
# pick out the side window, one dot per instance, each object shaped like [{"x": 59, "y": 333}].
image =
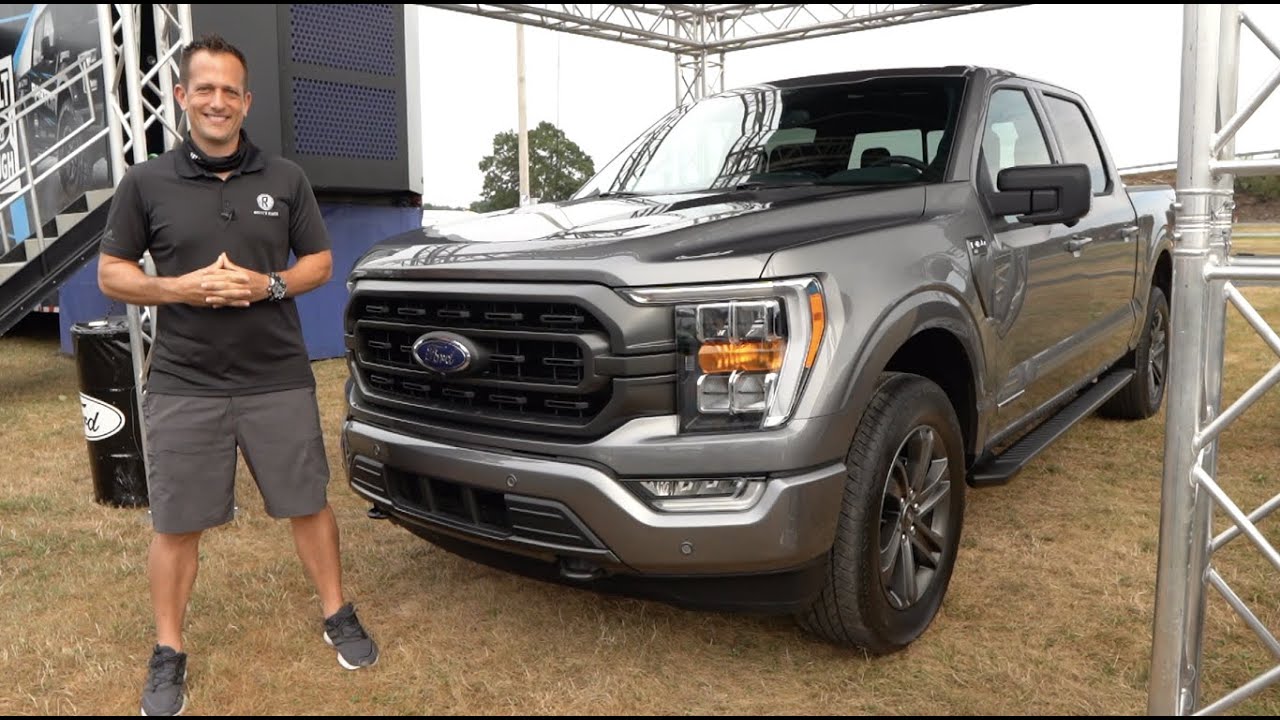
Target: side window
[
  {"x": 43, "y": 49},
  {"x": 932, "y": 140},
  {"x": 1012, "y": 135},
  {"x": 1079, "y": 145}
]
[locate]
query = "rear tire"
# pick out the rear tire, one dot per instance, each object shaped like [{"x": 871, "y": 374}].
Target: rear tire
[
  {"x": 900, "y": 520},
  {"x": 1141, "y": 398}
]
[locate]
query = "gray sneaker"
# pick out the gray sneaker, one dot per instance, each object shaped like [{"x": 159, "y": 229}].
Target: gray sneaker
[
  {"x": 355, "y": 648},
  {"x": 165, "y": 691}
]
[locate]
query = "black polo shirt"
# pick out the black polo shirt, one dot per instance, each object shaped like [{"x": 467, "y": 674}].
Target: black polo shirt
[{"x": 186, "y": 217}]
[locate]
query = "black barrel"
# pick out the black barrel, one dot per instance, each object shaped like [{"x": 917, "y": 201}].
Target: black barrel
[{"x": 112, "y": 423}]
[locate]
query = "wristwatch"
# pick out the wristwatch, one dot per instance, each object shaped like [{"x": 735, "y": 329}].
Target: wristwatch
[{"x": 275, "y": 287}]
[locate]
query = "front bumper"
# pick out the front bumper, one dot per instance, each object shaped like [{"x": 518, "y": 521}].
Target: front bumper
[{"x": 578, "y": 514}]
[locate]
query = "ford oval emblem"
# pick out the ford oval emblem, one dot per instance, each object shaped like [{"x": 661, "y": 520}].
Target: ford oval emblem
[{"x": 445, "y": 355}]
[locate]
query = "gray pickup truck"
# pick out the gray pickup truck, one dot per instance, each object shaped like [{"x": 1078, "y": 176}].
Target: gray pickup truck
[{"x": 755, "y": 362}]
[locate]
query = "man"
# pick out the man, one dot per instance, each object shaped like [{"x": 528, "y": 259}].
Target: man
[{"x": 230, "y": 368}]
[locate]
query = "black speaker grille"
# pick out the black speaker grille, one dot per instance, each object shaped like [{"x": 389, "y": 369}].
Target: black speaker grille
[
  {"x": 344, "y": 120},
  {"x": 361, "y": 38}
]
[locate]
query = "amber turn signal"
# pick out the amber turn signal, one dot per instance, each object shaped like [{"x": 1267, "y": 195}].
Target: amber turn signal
[{"x": 745, "y": 355}]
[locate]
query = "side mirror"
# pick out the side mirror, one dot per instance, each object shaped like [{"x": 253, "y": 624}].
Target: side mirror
[{"x": 1043, "y": 194}]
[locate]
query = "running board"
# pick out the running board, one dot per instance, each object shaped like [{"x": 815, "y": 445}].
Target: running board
[{"x": 1000, "y": 469}]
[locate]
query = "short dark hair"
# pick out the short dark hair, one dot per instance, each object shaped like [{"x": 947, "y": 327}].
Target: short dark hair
[{"x": 214, "y": 44}]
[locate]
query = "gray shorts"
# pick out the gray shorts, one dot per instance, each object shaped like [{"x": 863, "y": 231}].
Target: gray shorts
[{"x": 191, "y": 448}]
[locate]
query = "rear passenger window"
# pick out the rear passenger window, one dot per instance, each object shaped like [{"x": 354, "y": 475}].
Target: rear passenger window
[
  {"x": 1012, "y": 135},
  {"x": 1077, "y": 139}
]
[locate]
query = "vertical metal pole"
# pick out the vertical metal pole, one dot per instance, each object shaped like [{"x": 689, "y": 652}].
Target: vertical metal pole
[
  {"x": 719, "y": 85},
  {"x": 133, "y": 80},
  {"x": 1174, "y": 688},
  {"x": 185, "y": 31},
  {"x": 702, "y": 74},
  {"x": 129, "y": 16},
  {"x": 719, "y": 27},
  {"x": 701, "y": 92},
  {"x": 1221, "y": 210},
  {"x": 1228, "y": 98},
  {"x": 25, "y": 152},
  {"x": 680, "y": 89},
  {"x": 523, "y": 138},
  {"x": 164, "y": 41},
  {"x": 110, "y": 68}
]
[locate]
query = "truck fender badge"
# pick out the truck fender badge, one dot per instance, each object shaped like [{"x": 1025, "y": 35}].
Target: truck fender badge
[
  {"x": 101, "y": 420},
  {"x": 443, "y": 352}
]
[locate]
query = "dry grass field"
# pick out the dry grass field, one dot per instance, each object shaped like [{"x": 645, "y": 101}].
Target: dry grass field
[{"x": 1050, "y": 610}]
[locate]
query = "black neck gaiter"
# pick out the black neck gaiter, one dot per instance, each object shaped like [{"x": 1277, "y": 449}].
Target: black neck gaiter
[{"x": 217, "y": 164}]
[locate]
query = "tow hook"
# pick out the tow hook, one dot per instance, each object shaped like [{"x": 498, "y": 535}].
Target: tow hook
[
  {"x": 579, "y": 569},
  {"x": 377, "y": 513}
]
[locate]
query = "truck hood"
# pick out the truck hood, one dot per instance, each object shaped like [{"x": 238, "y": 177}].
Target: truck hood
[{"x": 639, "y": 240}]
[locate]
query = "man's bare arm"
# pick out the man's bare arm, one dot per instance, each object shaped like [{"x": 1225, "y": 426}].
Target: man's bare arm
[
  {"x": 310, "y": 272},
  {"x": 124, "y": 280}
]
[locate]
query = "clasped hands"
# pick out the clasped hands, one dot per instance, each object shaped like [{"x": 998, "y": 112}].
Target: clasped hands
[{"x": 223, "y": 284}]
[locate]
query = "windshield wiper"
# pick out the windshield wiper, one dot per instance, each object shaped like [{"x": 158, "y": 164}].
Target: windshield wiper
[
  {"x": 612, "y": 194},
  {"x": 757, "y": 184}
]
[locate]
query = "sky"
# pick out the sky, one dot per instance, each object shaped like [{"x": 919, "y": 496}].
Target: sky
[{"x": 1124, "y": 59}]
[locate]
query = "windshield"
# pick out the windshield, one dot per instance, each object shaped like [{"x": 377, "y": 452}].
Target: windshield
[{"x": 871, "y": 132}]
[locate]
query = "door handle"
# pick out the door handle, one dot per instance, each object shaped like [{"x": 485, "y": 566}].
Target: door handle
[
  {"x": 1129, "y": 232},
  {"x": 1077, "y": 243}
]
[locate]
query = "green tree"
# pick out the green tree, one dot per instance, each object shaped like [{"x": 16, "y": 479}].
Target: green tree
[
  {"x": 1266, "y": 186},
  {"x": 557, "y": 168}
]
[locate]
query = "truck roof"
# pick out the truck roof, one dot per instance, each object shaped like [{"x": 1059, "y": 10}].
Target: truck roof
[{"x": 854, "y": 76}]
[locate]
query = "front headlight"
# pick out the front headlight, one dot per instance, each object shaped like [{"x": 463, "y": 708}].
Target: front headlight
[{"x": 745, "y": 350}]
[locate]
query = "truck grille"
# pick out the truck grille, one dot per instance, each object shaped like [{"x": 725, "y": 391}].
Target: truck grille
[
  {"x": 539, "y": 367},
  {"x": 478, "y": 314},
  {"x": 541, "y": 361},
  {"x": 456, "y": 397}
]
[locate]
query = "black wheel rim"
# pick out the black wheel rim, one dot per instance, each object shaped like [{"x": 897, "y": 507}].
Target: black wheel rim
[
  {"x": 1158, "y": 359},
  {"x": 915, "y": 518}
]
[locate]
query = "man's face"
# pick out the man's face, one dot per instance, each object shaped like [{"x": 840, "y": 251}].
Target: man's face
[{"x": 215, "y": 100}]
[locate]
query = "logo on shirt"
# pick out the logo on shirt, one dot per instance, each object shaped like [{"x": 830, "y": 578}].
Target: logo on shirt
[{"x": 266, "y": 202}]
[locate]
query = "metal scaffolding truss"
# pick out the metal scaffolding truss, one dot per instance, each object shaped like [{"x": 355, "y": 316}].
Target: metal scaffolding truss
[
  {"x": 136, "y": 101},
  {"x": 700, "y": 35},
  {"x": 1205, "y": 279},
  {"x": 716, "y": 28}
]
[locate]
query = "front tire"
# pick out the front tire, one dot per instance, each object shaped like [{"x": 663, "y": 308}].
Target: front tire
[{"x": 900, "y": 520}]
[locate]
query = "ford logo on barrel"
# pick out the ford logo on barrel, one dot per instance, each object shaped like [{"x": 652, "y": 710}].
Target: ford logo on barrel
[{"x": 444, "y": 353}]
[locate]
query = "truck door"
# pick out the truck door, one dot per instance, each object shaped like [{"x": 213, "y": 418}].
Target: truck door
[
  {"x": 1103, "y": 242},
  {"x": 1037, "y": 306}
]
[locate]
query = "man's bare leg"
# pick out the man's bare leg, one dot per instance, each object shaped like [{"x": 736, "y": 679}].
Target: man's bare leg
[
  {"x": 171, "y": 568},
  {"x": 316, "y": 539}
]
